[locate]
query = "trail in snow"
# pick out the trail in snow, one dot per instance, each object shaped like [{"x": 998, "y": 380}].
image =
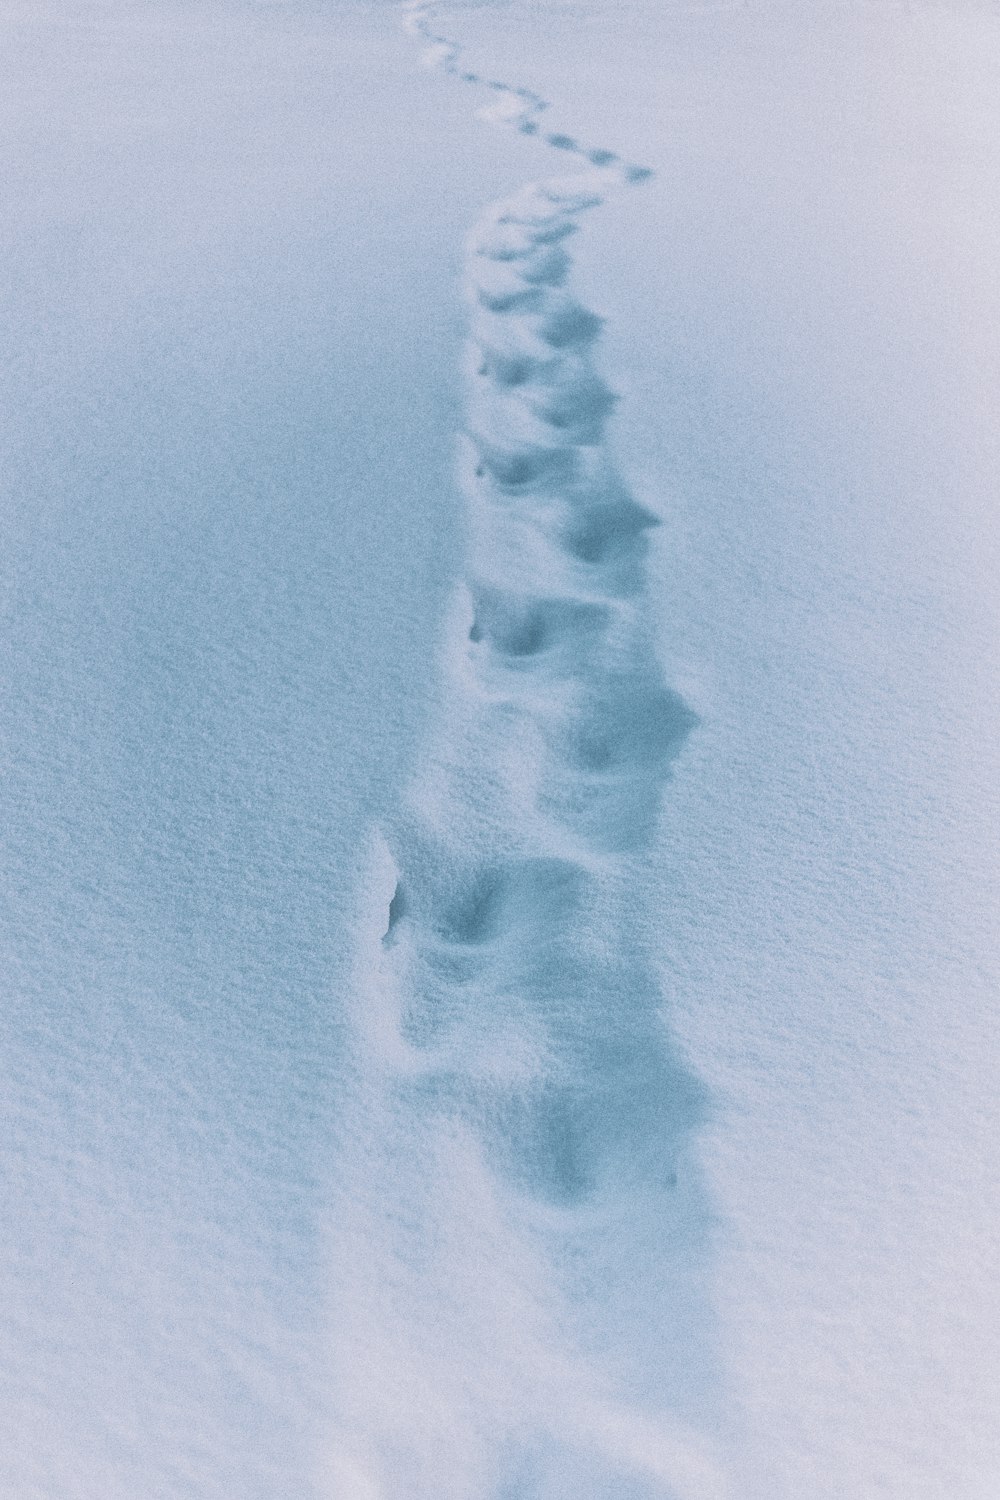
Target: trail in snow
[
  {"x": 521, "y": 1228},
  {"x": 520, "y": 108}
]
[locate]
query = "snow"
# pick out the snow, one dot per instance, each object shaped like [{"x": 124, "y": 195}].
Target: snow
[{"x": 500, "y": 732}]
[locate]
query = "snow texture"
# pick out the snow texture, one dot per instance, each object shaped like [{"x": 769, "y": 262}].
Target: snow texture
[
  {"x": 522, "y": 1141},
  {"x": 618, "y": 1120}
]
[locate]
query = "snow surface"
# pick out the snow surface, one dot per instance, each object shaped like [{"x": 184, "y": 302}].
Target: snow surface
[{"x": 500, "y": 951}]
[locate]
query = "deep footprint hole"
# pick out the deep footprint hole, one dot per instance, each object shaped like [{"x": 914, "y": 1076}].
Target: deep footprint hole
[
  {"x": 644, "y": 727},
  {"x": 398, "y": 907},
  {"x": 517, "y": 468},
  {"x": 611, "y": 531},
  {"x": 519, "y": 898},
  {"x": 571, "y": 324},
  {"x": 522, "y": 628}
]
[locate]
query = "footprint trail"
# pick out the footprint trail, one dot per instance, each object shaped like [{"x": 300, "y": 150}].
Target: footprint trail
[
  {"x": 522, "y": 1230},
  {"x": 520, "y": 108}
]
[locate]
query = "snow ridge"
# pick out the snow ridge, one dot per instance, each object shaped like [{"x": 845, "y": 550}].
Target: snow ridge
[{"x": 518, "y": 1154}]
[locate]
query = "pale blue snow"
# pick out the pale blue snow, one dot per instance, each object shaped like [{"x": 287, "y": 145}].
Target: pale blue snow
[{"x": 499, "y": 996}]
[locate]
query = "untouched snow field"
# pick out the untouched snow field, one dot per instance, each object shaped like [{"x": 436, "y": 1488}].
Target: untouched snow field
[{"x": 499, "y": 931}]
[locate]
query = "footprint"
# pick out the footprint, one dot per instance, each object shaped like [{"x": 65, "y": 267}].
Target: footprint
[
  {"x": 610, "y": 531},
  {"x": 570, "y": 325},
  {"x": 516, "y": 468},
  {"x": 522, "y": 627}
]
